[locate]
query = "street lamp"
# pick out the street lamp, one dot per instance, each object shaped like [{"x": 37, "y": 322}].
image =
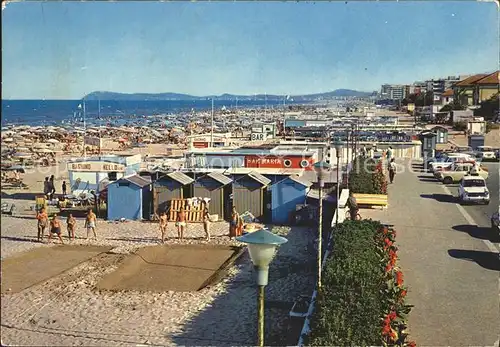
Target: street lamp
[
  {"x": 338, "y": 149},
  {"x": 261, "y": 246},
  {"x": 322, "y": 169}
]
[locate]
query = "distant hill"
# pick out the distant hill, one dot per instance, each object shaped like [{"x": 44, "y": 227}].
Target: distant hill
[{"x": 103, "y": 95}]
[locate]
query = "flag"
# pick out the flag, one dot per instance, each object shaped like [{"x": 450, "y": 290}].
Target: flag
[
  {"x": 79, "y": 106},
  {"x": 288, "y": 97}
]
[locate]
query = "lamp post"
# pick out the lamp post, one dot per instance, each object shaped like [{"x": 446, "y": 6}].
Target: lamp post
[
  {"x": 338, "y": 149},
  {"x": 321, "y": 168},
  {"x": 261, "y": 246}
]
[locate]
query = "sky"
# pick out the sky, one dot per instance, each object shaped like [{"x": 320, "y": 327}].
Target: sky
[{"x": 65, "y": 50}]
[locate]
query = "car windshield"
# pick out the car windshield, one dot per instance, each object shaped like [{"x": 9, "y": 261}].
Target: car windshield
[{"x": 474, "y": 183}]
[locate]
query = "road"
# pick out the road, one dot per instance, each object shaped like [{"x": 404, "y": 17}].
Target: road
[
  {"x": 481, "y": 213},
  {"x": 449, "y": 260}
]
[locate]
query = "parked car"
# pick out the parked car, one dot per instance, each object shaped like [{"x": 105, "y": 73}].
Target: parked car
[
  {"x": 473, "y": 188},
  {"x": 449, "y": 161},
  {"x": 486, "y": 153},
  {"x": 458, "y": 171}
]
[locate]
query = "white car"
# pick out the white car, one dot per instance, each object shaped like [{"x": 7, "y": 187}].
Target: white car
[
  {"x": 449, "y": 161},
  {"x": 473, "y": 188},
  {"x": 486, "y": 153}
]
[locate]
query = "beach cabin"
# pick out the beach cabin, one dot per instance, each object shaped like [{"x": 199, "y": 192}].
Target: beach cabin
[
  {"x": 130, "y": 198},
  {"x": 441, "y": 134},
  {"x": 173, "y": 185},
  {"x": 250, "y": 194},
  {"x": 217, "y": 187},
  {"x": 428, "y": 140},
  {"x": 285, "y": 196}
]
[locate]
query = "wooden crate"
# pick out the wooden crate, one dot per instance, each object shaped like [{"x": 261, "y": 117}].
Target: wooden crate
[{"x": 194, "y": 214}]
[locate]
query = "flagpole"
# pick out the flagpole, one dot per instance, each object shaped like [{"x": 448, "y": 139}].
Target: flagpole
[
  {"x": 212, "y": 127},
  {"x": 84, "y": 131}
]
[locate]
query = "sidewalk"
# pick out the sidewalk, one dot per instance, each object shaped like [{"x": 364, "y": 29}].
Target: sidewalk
[{"x": 452, "y": 283}]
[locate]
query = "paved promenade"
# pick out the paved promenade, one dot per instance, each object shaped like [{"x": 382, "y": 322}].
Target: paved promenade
[{"x": 453, "y": 276}]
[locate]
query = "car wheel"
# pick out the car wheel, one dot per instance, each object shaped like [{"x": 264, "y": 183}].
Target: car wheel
[
  {"x": 487, "y": 202},
  {"x": 447, "y": 180}
]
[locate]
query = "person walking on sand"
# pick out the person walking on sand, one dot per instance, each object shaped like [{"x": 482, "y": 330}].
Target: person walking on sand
[
  {"x": 206, "y": 223},
  {"x": 392, "y": 170},
  {"x": 181, "y": 223},
  {"x": 71, "y": 225},
  {"x": 163, "y": 225},
  {"x": 43, "y": 223},
  {"x": 90, "y": 223},
  {"x": 64, "y": 188},
  {"x": 55, "y": 228},
  {"x": 52, "y": 186}
]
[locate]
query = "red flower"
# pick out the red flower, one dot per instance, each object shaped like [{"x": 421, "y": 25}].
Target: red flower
[
  {"x": 399, "y": 278},
  {"x": 412, "y": 344},
  {"x": 392, "y": 315},
  {"x": 385, "y": 230},
  {"x": 386, "y": 330},
  {"x": 403, "y": 293},
  {"x": 388, "y": 267}
]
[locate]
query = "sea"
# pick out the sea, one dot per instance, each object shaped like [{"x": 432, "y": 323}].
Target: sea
[{"x": 60, "y": 112}]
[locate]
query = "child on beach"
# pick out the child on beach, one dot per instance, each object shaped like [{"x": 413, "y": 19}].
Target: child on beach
[
  {"x": 71, "y": 225},
  {"x": 206, "y": 223},
  {"x": 163, "y": 225},
  {"x": 55, "y": 228},
  {"x": 90, "y": 223}
]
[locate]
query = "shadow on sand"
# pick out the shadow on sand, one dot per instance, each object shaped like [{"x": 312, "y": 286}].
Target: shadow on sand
[
  {"x": 440, "y": 197},
  {"x": 19, "y": 196},
  {"x": 487, "y": 260},
  {"x": 231, "y": 319},
  {"x": 483, "y": 233}
]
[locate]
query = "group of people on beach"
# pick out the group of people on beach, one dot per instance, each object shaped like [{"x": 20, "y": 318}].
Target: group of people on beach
[
  {"x": 54, "y": 226},
  {"x": 181, "y": 224},
  {"x": 49, "y": 188}
]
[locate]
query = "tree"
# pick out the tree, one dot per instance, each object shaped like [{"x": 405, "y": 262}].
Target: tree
[{"x": 489, "y": 108}]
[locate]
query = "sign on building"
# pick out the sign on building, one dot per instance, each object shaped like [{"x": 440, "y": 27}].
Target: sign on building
[
  {"x": 96, "y": 166},
  {"x": 258, "y": 137}
]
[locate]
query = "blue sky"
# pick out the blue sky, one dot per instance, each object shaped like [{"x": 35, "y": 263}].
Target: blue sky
[{"x": 63, "y": 50}]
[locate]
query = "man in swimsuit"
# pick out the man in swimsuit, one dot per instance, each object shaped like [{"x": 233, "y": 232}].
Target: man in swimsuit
[
  {"x": 43, "y": 223},
  {"x": 90, "y": 223},
  {"x": 55, "y": 228},
  {"x": 206, "y": 223},
  {"x": 181, "y": 223},
  {"x": 233, "y": 224},
  {"x": 71, "y": 225},
  {"x": 163, "y": 225}
]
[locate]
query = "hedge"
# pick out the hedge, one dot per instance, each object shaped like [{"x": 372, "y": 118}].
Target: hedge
[
  {"x": 367, "y": 177},
  {"x": 362, "y": 298}
]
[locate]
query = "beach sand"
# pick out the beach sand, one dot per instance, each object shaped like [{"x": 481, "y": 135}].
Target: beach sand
[{"x": 68, "y": 309}]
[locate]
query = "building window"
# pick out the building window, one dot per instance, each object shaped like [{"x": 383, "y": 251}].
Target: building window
[
  {"x": 123, "y": 184},
  {"x": 304, "y": 163},
  {"x": 112, "y": 176},
  {"x": 287, "y": 162}
]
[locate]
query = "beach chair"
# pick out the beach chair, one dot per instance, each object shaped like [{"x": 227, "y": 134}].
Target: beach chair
[{"x": 8, "y": 208}]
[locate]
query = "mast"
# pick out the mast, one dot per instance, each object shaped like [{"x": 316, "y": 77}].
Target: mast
[
  {"x": 84, "y": 131},
  {"x": 212, "y": 126},
  {"x": 100, "y": 123}
]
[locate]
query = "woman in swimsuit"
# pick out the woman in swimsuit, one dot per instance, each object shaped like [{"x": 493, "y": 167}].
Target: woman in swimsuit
[{"x": 55, "y": 228}]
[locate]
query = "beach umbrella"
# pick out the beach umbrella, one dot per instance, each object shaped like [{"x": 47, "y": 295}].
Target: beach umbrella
[
  {"x": 17, "y": 168},
  {"x": 8, "y": 139},
  {"x": 43, "y": 150},
  {"x": 22, "y": 149},
  {"x": 24, "y": 133},
  {"x": 52, "y": 141}
]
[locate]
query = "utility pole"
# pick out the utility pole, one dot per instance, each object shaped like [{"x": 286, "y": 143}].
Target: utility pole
[{"x": 84, "y": 131}]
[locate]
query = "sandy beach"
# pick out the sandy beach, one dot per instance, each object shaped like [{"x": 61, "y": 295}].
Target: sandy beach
[{"x": 69, "y": 310}]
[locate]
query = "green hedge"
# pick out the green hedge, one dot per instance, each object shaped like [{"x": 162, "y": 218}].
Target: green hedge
[
  {"x": 367, "y": 177},
  {"x": 360, "y": 303}
]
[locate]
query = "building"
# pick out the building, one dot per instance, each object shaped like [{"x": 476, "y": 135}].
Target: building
[
  {"x": 447, "y": 97},
  {"x": 250, "y": 194},
  {"x": 204, "y": 140},
  {"x": 136, "y": 192},
  {"x": 173, "y": 185},
  {"x": 94, "y": 173},
  {"x": 477, "y": 88},
  {"x": 217, "y": 187},
  {"x": 286, "y": 194},
  {"x": 263, "y": 131},
  {"x": 393, "y": 91}
]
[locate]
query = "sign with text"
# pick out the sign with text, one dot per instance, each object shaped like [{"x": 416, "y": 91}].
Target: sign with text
[
  {"x": 270, "y": 162},
  {"x": 258, "y": 137},
  {"x": 96, "y": 166}
]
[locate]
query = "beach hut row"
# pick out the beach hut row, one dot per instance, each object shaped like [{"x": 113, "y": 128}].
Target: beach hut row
[{"x": 270, "y": 198}]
